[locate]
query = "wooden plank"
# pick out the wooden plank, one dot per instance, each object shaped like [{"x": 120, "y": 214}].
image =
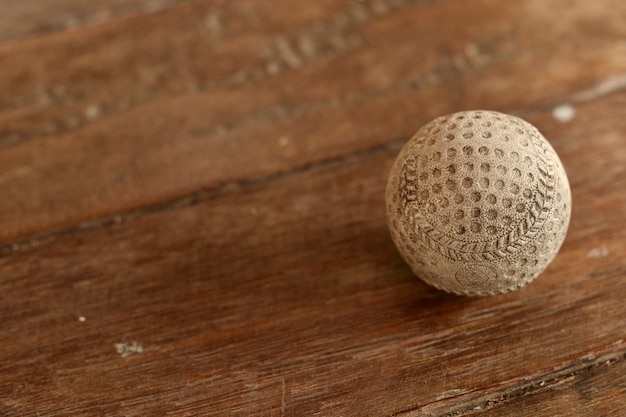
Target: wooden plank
[
  {"x": 86, "y": 118},
  {"x": 28, "y": 18},
  {"x": 285, "y": 296}
]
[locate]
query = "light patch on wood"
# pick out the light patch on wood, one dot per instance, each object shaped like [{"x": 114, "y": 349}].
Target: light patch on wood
[
  {"x": 600, "y": 252},
  {"x": 564, "y": 113},
  {"x": 127, "y": 349}
]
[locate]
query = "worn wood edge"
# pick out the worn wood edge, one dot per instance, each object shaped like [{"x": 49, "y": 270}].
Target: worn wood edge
[
  {"x": 471, "y": 403},
  {"x": 604, "y": 89}
]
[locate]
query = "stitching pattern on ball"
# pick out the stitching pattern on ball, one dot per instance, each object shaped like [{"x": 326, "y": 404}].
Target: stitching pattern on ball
[{"x": 504, "y": 244}]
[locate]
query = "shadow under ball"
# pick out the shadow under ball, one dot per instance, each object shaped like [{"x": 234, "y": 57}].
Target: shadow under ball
[{"x": 478, "y": 203}]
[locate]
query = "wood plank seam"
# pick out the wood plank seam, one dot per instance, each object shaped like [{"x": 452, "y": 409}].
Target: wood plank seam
[
  {"x": 529, "y": 387},
  {"x": 611, "y": 86},
  {"x": 193, "y": 198}
]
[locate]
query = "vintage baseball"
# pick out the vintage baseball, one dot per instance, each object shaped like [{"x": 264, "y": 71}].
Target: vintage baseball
[{"x": 478, "y": 203}]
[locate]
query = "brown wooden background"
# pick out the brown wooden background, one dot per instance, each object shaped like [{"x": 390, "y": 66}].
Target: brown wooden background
[{"x": 192, "y": 215}]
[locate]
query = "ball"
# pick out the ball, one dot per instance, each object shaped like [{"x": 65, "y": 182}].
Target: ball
[{"x": 478, "y": 203}]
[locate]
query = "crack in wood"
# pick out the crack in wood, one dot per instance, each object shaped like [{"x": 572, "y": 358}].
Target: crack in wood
[{"x": 529, "y": 387}]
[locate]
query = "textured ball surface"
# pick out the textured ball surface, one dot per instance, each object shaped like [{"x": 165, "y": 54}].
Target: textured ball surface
[{"x": 478, "y": 203}]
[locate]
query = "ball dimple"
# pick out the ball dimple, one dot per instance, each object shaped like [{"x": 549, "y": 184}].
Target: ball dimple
[{"x": 478, "y": 203}]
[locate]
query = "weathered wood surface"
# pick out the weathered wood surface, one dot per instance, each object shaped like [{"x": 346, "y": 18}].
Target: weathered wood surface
[{"x": 193, "y": 215}]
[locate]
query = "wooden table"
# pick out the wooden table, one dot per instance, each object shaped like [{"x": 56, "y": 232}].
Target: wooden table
[{"x": 192, "y": 217}]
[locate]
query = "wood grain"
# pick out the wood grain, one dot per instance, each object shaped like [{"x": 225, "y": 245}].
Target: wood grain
[
  {"x": 217, "y": 245},
  {"x": 289, "y": 291}
]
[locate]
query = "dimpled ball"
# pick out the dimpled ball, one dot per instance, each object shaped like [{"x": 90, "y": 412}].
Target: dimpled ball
[{"x": 478, "y": 203}]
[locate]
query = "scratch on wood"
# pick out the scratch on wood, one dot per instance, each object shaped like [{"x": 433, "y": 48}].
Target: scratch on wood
[
  {"x": 283, "y": 405},
  {"x": 599, "y": 252},
  {"x": 451, "y": 393}
]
